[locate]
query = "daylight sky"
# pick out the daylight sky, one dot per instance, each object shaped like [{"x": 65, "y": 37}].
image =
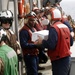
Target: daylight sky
[
  {"x": 69, "y": 7},
  {"x": 68, "y": 0}
]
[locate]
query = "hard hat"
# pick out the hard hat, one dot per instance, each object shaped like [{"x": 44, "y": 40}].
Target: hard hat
[
  {"x": 6, "y": 16},
  {"x": 31, "y": 15},
  {"x": 55, "y": 14},
  {"x": 2, "y": 35}
]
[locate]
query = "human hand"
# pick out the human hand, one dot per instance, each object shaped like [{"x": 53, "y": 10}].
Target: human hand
[
  {"x": 18, "y": 51},
  {"x": 72, "y": 34}
]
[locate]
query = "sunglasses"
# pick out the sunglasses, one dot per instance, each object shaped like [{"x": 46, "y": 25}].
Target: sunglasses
[{"x": 6, "y": 20}]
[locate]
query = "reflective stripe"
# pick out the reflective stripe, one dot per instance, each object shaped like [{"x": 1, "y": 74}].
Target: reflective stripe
[
  {"x": 11, "y": 54},
  {"x": 62, "y": 26}
]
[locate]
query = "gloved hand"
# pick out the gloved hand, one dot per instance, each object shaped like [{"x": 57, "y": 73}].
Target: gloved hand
[{"x": 20, "y": 57}]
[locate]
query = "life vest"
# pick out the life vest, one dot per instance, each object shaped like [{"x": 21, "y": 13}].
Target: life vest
[
  {"x": 63, "y": 44},
  {"x": 39, "y": 26},
  {"x": 29, "y": 51},
  {"x": 21, "y": 8}
]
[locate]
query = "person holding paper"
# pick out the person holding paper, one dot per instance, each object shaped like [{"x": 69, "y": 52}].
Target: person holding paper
[
  {"x": 58, "y": 44},
  {"x": 30, "y": 50}
]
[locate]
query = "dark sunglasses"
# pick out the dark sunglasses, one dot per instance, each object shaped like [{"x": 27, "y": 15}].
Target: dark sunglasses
[{"x": 6, "y": 21}]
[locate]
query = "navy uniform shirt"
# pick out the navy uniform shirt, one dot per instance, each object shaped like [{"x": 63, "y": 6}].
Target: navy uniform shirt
[
  {"x": 52, "y": 40},
  {"x": 24, "y": 37}
]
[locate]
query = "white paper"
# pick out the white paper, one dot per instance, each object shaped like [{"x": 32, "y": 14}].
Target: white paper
[{"x": 42, "y": 33}]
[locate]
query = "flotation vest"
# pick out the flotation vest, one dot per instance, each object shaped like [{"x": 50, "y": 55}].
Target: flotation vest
[
  {"x": 39, "y": 26},
  {"x": 21, "y": 8},
  {"x": 63, "y": 44},
  {"x": 29, "y": 51}
]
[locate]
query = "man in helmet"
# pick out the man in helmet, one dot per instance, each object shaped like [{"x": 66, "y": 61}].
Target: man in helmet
[
  {"x": 8, "y": 57},
  {"x": 30, "y": 50},
  {"x": 58, "y": 44},
  {"x": 6, "y": 19}
]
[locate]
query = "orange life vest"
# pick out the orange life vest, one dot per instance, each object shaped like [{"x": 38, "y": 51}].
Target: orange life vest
[
  {"x": 63, "y": 44},
  {"x": 21, "y": 8},
  {"x": 29, "y": 51}
]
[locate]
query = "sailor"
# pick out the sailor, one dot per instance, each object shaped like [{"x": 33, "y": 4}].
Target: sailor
[
  {"x": 58, "y": 44},
  {"x": 6, "y": 19},
  {"x": 8, "y": 57}
]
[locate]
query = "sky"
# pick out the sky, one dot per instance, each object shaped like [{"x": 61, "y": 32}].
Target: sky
[
  {"x": 68, "y": 0},
  {"x": 69, "y": 7}
]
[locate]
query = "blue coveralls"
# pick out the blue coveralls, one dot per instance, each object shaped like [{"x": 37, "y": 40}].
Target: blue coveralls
[
  {"x": 31, "y": 61},
  {"x": 61, "y": 66}
]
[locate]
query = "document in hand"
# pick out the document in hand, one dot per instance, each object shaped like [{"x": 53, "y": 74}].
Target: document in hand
[{"x": 42, "y": 33}]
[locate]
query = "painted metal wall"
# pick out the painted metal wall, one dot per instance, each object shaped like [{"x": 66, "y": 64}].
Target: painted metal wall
[
  {"x": 0, "y": 5},
  {"x": 4, "y": 4}
]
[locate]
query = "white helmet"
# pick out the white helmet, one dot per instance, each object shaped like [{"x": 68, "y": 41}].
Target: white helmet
[
  {"x": 31, "y": 15},
  {"x": 6, "y": 16},
  {"x": 2, "y": 35},
  {"x": 55, "y": 14}
]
